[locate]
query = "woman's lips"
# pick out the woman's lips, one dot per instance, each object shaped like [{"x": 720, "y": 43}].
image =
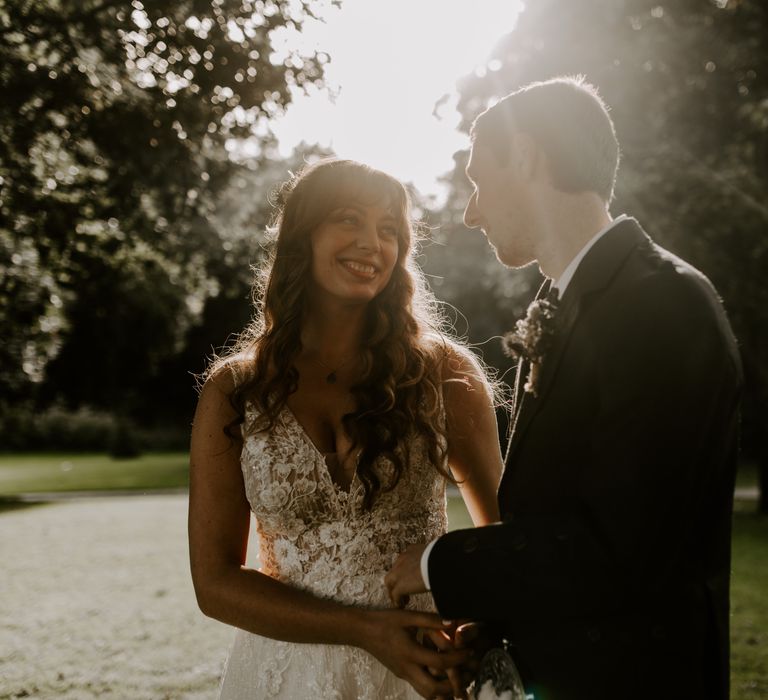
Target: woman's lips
[{"x": 359, "y": 269}]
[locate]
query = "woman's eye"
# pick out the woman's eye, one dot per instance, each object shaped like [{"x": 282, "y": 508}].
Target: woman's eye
[{"x": 389, "y": 231}]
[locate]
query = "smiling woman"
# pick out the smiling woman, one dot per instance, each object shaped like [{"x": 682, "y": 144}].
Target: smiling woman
[{"x": 333, "y": 422}]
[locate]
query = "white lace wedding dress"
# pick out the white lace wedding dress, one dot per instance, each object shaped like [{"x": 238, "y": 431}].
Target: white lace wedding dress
[{"x": 316, "y": 536}]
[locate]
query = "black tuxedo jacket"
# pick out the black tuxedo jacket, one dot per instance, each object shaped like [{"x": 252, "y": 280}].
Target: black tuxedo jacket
[{"x": 609, "y": 572}]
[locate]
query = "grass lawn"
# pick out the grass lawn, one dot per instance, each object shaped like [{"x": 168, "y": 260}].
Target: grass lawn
[
  {"x": 45, "y": 472},
  {"x": 30, "y": 473},
  {"x": 749, "y": 607}
]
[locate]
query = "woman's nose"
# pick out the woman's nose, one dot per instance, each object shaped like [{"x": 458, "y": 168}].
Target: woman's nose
[{"x": 368, "y": 238}]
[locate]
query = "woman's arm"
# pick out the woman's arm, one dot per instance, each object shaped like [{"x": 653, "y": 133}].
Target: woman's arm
[
  {"x": 474, "y": 453},
  {"x": 227, "y": 590}
]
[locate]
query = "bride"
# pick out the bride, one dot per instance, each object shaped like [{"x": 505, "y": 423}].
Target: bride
[{"x": 337, "y": 420}]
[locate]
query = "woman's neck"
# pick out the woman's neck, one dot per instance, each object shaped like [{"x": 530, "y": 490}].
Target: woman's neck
[{"x": 333, "y": 334}]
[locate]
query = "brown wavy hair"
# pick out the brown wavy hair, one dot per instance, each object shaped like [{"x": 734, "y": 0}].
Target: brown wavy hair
[{"x": 404, "y": 347}]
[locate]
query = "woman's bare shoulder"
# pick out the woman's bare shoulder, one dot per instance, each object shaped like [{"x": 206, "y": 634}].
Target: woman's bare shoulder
[
  {"x": 456, "y": 360},
  {"x": 227, "y": 373}
]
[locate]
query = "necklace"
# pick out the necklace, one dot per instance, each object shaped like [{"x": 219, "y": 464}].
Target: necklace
[{"x": 331, "y": 377}]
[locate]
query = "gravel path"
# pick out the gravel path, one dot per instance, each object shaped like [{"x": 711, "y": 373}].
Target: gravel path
[{"x": 96, "y": 601}]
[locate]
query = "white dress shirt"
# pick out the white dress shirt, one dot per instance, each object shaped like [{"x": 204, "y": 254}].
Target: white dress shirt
[{"x": 560, "y": 284}]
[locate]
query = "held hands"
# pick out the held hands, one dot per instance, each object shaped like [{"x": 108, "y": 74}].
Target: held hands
[
  {"x": 460, "y": 677},
  {"x": 404, "y": 578},
  {"x": 466, "y": 635},
  {"x": 433, "y": 672}
]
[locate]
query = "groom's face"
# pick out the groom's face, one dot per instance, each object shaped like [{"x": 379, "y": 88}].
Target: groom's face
[{"x": 501, "y": 205}]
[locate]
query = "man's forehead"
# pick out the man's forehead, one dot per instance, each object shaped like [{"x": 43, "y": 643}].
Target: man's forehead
[
  {"x": 477, "y": 154},
  {"x": 484, "y": 153}
]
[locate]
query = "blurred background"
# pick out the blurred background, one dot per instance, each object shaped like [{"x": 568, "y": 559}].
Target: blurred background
[
  {"x": 139, "y": 145},
  {"x": 140, "y": 142}
]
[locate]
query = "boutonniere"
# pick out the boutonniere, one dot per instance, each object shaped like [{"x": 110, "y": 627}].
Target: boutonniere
[{"x": 532, "y": 338}]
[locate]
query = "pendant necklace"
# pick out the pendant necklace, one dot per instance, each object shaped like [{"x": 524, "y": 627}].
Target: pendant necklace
[{"x": 331, "y": 377}]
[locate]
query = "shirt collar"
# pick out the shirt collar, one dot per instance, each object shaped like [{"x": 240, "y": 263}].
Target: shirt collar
[{"x": 563, "y": 281}]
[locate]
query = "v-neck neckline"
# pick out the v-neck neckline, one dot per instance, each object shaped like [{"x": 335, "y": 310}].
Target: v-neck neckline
[{"x": 321, "y": 455}]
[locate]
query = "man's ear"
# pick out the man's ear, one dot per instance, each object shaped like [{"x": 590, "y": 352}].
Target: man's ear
[{"x": 525, "y": 155}]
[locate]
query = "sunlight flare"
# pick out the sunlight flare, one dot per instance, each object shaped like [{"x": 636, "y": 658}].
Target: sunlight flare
[{"x": 392, "y": 74}]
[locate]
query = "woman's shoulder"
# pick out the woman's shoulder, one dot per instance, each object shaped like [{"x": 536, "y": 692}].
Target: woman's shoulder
[
  {"x": 454, "y": 359},
  {"x": 466, "y": 383},
  {"x": 226, "y": 374}
]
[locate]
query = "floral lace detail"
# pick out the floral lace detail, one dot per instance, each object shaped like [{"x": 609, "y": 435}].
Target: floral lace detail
[
  {"x": 272, "y": 670},
  {"x": 316, "y": 536}
]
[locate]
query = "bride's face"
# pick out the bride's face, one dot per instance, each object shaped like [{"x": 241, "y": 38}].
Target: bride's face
[{"x": 354, "y": 252}]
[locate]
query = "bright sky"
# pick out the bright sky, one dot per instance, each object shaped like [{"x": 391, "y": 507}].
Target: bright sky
[{"x": 393, "y": 72}]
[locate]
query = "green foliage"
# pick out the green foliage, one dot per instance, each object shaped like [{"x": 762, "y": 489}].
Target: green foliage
[
  {"x": 55, "y": 428},
  {"x": 116, "y": 127},
  {"x": 688, "y": 86},
  {"x": 123, "y": 443},
  {"x": 58, "y": 428}
]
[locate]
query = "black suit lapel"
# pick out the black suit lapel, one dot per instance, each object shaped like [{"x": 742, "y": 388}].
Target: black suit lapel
[{"x": 593, "y": 274}]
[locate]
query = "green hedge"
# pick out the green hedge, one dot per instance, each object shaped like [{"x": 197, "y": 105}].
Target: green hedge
[{"x": 84, "y": 429}]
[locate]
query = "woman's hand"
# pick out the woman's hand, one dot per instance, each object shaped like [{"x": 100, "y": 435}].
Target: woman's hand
[{"x": 391, "y": 636}]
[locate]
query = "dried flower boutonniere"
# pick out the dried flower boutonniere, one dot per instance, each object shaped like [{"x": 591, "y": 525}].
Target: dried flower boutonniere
[{"x": 532, "y": 337}]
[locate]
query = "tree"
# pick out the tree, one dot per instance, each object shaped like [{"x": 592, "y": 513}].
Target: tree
[{"x": 117, "y": 125}]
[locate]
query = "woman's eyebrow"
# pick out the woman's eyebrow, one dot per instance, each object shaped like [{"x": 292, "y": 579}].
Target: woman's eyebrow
[
  {"x": 350, "y": 205},
  {"x": 361, "y": 208}
]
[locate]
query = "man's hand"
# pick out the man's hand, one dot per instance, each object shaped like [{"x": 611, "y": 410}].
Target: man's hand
[
  {"x": 404, "y": 578},
  {"x": 391, "y": 637}
]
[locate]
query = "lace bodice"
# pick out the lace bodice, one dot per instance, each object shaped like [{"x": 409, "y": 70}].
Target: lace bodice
[{"x": 315, "y": 535}]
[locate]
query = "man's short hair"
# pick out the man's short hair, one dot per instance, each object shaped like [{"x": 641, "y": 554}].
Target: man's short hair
[{"x": 569, "y": 121}]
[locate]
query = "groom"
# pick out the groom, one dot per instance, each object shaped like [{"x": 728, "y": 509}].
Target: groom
[{"x": 608, "y": 575}]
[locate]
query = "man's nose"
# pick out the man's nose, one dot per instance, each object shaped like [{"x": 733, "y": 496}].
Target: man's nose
[{"x": 471, "y": 214}]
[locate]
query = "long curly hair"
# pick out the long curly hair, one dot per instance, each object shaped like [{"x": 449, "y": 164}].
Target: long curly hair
[{"x": 404, "y": 347}]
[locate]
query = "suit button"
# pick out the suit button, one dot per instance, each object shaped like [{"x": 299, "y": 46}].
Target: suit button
[
  {"x": 470, "y": 544},
  {"x": 658, "y": 632},
  {"x": 593, "y": 634},
  {"x": 519, "y": 542}
]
